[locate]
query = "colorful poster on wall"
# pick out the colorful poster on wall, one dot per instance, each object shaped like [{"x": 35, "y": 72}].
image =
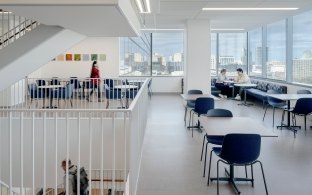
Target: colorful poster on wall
[
  {"x": 77, "y": 57},
  {"x": 85, "y": 57},
  {"x": 69, "y": 57},
  {"x": 94, "y": 57},
  {"x": 102, "y": 57},
  {"x": 60, "y": 57}
]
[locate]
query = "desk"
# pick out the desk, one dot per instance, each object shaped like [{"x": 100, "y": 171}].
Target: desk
[
  {"x": 220, "y": 126},
  {"x": 288, "y": 97},
  {"x": 190, "y": 97},
  {"x": 245, "y": 86},
  {"x": 51, "y": 88}
]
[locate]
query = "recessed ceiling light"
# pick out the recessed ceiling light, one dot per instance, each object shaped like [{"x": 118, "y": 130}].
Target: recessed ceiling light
[
  {"x": 162, "y": 29},
  {"x": 144, "y": 6},
  {"x": 248, "y": 8}
]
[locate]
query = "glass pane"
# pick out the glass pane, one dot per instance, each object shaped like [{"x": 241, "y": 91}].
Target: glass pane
[
  {"x": 302, "y": 48},
  {"x": 255, "y": 52},
  {"x": 213, "y": 66},
  {"x": 168, "y": 57},
  {"x": 135, "y": 56},
  {"x": 276, "y": 50},
  {"x": 232, "y": 52}
]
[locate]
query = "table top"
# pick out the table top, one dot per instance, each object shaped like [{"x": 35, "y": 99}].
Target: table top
[
  {"x": 245, "y": 85},
  {"x": 188, "y": 97},
  {"x": 290, "y": 96},
  {"x": 224, "y": 125},
  {"x": 125, "y": 87},
  {"x": 49, "y": 86}
]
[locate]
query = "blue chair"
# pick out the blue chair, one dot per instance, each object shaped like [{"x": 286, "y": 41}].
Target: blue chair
[
  {"x": 109, "y": 83},
  {"x": 303, "y": 107},
  {"x": 76, "y": 82},
  {"x": 36, "y": 93},
  {"x": 130, "y": 95},
  {"x": 41, "y": 82},
  {"x": 190, "y": 103},
  {"x": 64, "y": 93},
  {"x": 238, "y": 150},
  {"x": 303, "y": 91},
  {"x": 217, "y": 140},
  {"x": 55, "y": 81},
  {"x": 113, "y": 94},
  {"x": 202, "y": 105},
  {"x": 275, "y": 103}
]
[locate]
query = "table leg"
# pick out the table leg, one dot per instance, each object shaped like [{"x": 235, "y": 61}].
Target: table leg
[
  {"x": 245, "y": 103},
  {"x": 288, "y": 125}
]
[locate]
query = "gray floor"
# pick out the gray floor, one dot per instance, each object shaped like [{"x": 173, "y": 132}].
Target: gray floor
[{"x": 171, "y": 157}]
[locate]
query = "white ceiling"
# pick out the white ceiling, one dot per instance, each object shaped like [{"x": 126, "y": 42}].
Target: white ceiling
[{"x": 175, "y": 13}]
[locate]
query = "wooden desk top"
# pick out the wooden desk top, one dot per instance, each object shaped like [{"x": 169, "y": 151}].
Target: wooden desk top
[{"x": 225, "y": 125}]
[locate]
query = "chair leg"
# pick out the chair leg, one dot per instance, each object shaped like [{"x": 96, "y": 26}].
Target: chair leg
[
  {"x": 305, "y": 122},
  {"x": 266, "y": 108},
  {"x": 283, "y": 116},
  {"x": 246, "y": 171},
  {"x": 209, "y": 167},
  {"x": 185, "y": 116},
  {"x": 266, "y": 189},
  {"x": 107, "y": 103},
  {"x": 201, "y": 156},
  {"x": 273, "y": 116},
  {"x": 218, "y": 177},
  {"x": 252, "y": 176},
  {"x": 190, "y": 117},
  {"x": 205, "y": 159},
  {"x": 192, "y": 123}
]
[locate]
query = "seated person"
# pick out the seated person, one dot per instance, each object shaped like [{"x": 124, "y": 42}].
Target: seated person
[
  {"x": 241, "y": 78},
  {"x": 220, "y": 84}
]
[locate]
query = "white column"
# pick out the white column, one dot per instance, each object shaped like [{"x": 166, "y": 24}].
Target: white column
[{"x": 197, "y": 51}]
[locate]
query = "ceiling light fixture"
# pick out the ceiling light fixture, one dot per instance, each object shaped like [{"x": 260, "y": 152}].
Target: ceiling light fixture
[
  {"x": 162, "y": 29},
  {"x": 249, "y": 8},
  {"x": 144, "y": 6},
  {"x": 227, "y": 29}
]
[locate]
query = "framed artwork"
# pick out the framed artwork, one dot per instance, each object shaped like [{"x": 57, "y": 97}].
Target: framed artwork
[
  {"x": 60, "y": 57},
  {"x": 85, "y": 57},
  {"x": 77, "y": 57},
  {"x": 94, "y": 57},
  {"x": 69, "y": 57},
  {"x": 102, "y": 57}
]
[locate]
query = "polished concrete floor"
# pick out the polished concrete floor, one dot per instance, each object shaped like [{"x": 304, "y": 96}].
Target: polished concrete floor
[{"x": 171, "y": 157}]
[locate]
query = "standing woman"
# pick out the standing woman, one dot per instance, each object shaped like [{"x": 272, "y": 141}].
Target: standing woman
[{"x": 95, "y": 81}]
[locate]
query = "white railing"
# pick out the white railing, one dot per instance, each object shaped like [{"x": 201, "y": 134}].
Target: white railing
[
  {"x": 70, "y": 93},
  {"x": 13, "y": 27},
  {"x": 35, "y": 141}
]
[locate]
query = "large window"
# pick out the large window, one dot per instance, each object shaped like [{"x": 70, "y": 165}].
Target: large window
[
  {"x": 255, "y": 52},
  {"x": 302, "y": 48},
  {"x": 232, "y": 52},
  {"x": 276, "y": 50},
  {"x": 213, "y": 63},
  {"x": 166, "y": 50},
  {"x": 135, "y": 56}
]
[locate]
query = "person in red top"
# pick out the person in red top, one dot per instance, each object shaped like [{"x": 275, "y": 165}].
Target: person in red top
[{"x": 95, "y": 81}]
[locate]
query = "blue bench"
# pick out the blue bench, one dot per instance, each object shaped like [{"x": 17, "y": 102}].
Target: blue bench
[{"x": 260, "y": 92}]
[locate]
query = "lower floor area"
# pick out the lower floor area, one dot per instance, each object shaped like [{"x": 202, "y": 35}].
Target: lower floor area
[{"x": 171, "y": 157}]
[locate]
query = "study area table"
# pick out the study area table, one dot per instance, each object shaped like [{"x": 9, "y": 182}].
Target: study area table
[
  {"x": 288, "y": 97},
  {"x": 220, "y": 126},
  {"x": 245, "y": 86},
  {"x": 51, "y": 88}
]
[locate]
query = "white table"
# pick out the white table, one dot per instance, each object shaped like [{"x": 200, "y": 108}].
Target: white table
[
  {"x": 288, "y": 97},
  {"x": 125, "y": 87},
  {"x": 245, "y": 86},
  {"x": 189, "y": 97},
  {"x": 221, "y": 126}
]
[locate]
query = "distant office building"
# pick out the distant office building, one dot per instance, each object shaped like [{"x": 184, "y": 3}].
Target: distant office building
[
  {"x": 225, "y": 60},
  {"x": 213, "y": 64},
  {"x": 302, "y": 70}
]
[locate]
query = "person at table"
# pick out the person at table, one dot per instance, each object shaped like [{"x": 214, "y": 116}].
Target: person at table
[
  {"x": 242, "y": 78},
  {"x": 222, "y": 85},
  {"x": 95, "y": 81}
]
